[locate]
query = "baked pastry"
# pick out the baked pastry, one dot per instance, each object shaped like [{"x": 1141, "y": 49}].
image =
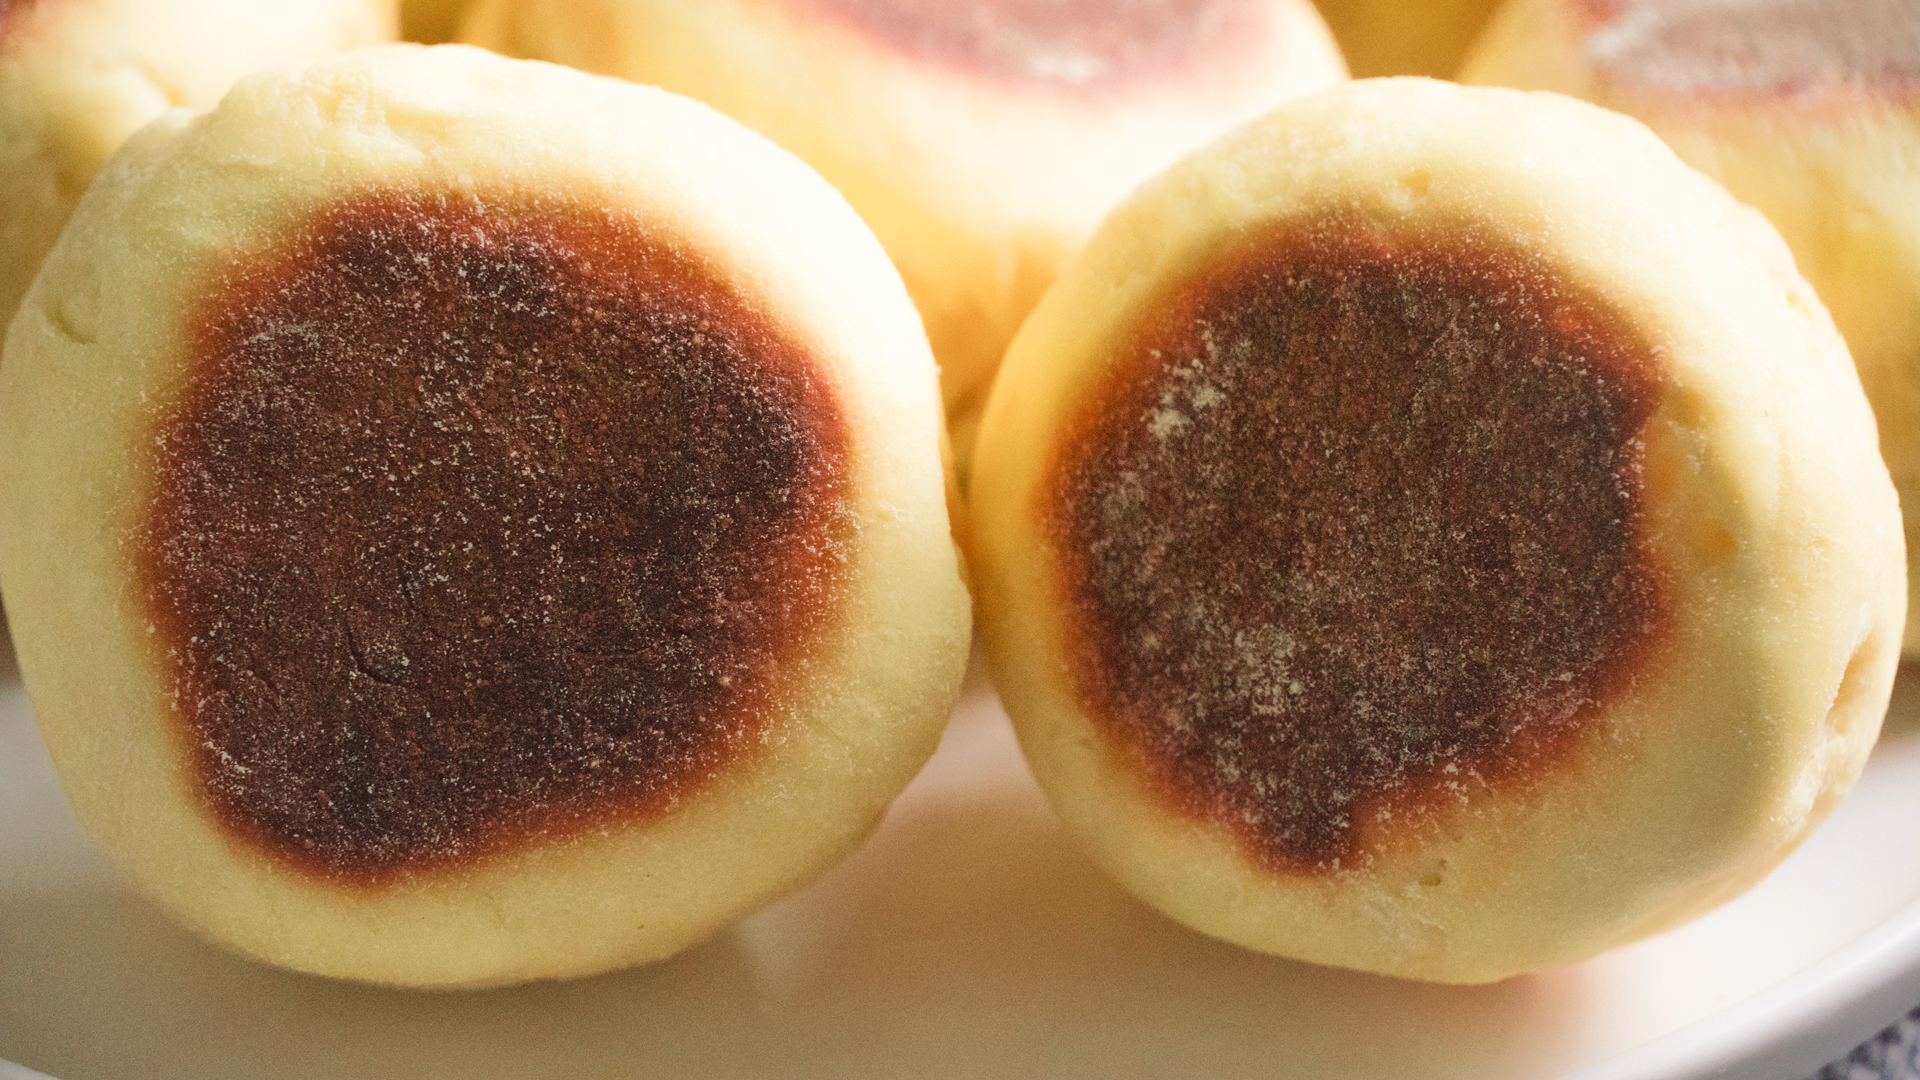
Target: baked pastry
[
  {"x": 466, "y": 520},
  {"x": 982, "y": 140},
  {"x": 1393, "y": 37},
  {"x": 78, "y": 76},
  {"x": 1410, "y": 508},
  {"x": 1805, "y": 110}
]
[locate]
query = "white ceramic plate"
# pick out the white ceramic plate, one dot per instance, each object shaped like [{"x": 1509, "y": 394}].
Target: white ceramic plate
[{"x": 967, "y": 939}]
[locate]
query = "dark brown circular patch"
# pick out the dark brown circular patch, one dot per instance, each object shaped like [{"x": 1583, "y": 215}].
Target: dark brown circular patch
[
  {"x": 1766, "y": 50},
  {"x": 480, "y": 521},
  {"x": 1080, "y": 44},
  {"x": 1352, "y": 532}
]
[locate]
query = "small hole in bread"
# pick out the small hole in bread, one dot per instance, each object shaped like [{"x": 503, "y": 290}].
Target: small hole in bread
[
  {"x": 74, "y": 312},
  {"x": 1853, "y": 686}
]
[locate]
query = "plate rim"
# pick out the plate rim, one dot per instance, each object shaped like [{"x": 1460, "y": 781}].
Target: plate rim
[{"x": 1808, "y": 1020}]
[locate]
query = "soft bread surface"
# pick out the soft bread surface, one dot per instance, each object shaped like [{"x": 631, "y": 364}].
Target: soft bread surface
[
  {"x": 79, "y": 76},
  {"x": 1807, "y": 110},
  {"x": 624, "y": 585},
  {"x": 982, "y": 141},
  {"x": 1435, "y": 532}
]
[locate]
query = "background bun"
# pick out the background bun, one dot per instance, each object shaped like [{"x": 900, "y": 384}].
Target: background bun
[
  {"x": 467, "y": 520},
  {"x": 1433, "y": 531},
  {"x": 982, "y": 141}
]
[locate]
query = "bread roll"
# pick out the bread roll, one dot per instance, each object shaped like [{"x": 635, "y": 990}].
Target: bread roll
[
  {"x": 1805, "y": 110},
  {"x": 1433, "y": 531},
  {"x": 78, "y": 76},
  {"x": 982, "y": 139},
  {"x": 467, "y": 521}
]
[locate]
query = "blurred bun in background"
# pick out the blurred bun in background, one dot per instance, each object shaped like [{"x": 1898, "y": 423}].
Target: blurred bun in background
[{"x": 981, "y": 140}]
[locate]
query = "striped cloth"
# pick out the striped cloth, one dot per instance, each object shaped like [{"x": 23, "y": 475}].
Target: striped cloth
[{"x": 1894, "y": 1054}]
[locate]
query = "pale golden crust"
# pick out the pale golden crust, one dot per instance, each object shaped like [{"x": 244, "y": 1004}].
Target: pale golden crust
[
  {"x": 79, "y": 76},
  {"x": 1763, "y": 101},
  {"x": 979, "y": 183},
  {"x": 1775, "y": 652},
  {"x": 87, "y": 375}
]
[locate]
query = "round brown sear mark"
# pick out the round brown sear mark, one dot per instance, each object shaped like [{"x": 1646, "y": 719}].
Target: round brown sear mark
[
  {"x": 1772, "y": 49},
  {"x": 1352, "y": 532},
  {"x": 1070, "y": 44},
  {"x": 480, "y": 521}
]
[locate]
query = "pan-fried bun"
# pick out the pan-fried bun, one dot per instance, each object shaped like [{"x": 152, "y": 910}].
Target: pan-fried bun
[
  {"x": 1435, "y": 532},
  {"x": 467, "y": 520}
]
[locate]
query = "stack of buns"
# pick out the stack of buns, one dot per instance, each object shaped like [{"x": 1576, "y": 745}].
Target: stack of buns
[{"x": 466, "y": 520}]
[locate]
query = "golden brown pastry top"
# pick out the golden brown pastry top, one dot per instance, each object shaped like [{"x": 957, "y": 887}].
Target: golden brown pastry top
[
  {"x": 481, "y": 519},
  {"x": 1354, "y": 528}
]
